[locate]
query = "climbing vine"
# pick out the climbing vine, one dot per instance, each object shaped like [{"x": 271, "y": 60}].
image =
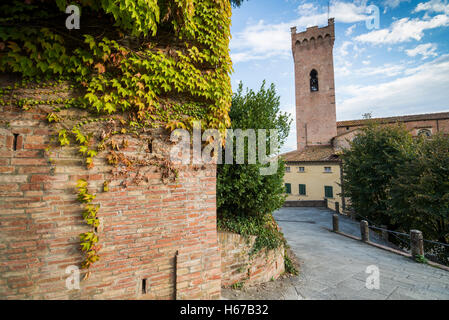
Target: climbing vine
[
  {"x": 132, "y": 66},
  {"x": 89, "y": 240}
]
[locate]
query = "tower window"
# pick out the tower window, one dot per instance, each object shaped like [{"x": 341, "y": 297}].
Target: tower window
[{"x": 313, "y": 80}]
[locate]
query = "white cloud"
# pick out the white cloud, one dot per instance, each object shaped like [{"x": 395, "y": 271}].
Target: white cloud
[
  {"x": 350, "y": 30},
  {"x": 433, "y": 6},
  {"x": 407, "y": 29},
  {"x": 261, "y": 41},
  {"x": 425, "y": 50},
  {"x": 424, "y": 90},
  {"x": 307, "y": 9},
  {"x": 343, "y": 50},
  {"x": 264, "y": 40},
  {"x": 385, "y": 70},
  {"x": 393, "y": 3},
  {"x": 404, "y": 30},
  {"x": 349, "y": 12},
  {"x": 366, "y": 62}
]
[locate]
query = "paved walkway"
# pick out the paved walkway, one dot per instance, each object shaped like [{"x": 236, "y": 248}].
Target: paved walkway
[{"x": 334, "y": 266}]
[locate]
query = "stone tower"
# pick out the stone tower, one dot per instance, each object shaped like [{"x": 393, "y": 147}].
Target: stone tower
[{"x": 314, "y": 85}]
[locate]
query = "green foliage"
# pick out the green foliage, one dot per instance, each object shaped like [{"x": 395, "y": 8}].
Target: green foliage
[
  {"x": 420, "y": 258},
  {"x": 238, "y": 285},
  {"x": 264, "y": 227},
  {"x": 241, "y": 189},
  {"x": 128, "y": 70},
  {"x": 289, "y": 266},
  {"x": 237, "y": 3},
  {"x": 401, "y": 183},
  {"x": 369, "y": 167},
  {"x": 89, "y": 240},
  {"x": 154, "y": 62},
  {"x": 420, "y": 193},
  {"x": 245, "y": 198}
]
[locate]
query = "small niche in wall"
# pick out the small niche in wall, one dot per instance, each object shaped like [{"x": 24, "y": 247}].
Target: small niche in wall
[
  {"x": 144, "y": 286},
  {"x": 14, "y": 144}
]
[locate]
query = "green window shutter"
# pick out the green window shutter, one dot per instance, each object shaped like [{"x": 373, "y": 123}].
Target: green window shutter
[
  {"x": 302, "y": 189},
  {"x": 328, "y": 192},
  {"x": 288, "y": 188}
]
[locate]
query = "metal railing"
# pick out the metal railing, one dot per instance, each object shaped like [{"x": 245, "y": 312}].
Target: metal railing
[{"x": 415, "y": 244}]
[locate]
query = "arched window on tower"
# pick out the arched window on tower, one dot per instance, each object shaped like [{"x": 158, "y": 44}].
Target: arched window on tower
[{"x": 313, "y": 80}]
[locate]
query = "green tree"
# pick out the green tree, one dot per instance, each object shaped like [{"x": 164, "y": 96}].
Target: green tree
[
  {"x": 245, "y": 198},
  {"x": 419, "y": 194},
  {"x": 241, "y": 189},
  {"x": 369, "y": 166},
  {"x": 237, "y": 3}
]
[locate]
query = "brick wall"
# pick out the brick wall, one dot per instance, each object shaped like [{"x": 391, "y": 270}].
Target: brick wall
[
  {"x": 315, "y": 111},
  {"x": 164, "y": 233},
  {"x": 440, "y": 125},
  {"x": 237, "y": 265}
]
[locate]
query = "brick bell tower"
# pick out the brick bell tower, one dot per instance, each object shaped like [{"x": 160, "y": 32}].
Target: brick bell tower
[{"x": 314, "y": 85}]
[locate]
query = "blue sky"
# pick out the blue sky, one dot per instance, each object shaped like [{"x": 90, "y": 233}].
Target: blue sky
[{"x": 401, "y": 67}]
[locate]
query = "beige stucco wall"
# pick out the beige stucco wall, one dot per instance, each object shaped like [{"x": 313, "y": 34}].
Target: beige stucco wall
[{"x": 315, "y": 179}]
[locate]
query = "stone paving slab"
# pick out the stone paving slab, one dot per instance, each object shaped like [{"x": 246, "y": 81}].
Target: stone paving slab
[{"x": 333, "y": 266}]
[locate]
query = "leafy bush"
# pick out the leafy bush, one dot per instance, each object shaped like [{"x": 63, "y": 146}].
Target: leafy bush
[
  {"x": 241, "y": 189},
  {"x": 289, "y": 266},
  {"x": 401, "y": 182},
  {"x": 264, "y": 227},
  {"x": 245, "y": 198},
  {"x": 369, "y": 167}
]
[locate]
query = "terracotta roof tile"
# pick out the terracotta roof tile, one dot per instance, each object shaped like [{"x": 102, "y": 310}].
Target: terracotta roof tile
[
  {"x": 415, "y": 117},
  {"x": 312, "y": 154}
]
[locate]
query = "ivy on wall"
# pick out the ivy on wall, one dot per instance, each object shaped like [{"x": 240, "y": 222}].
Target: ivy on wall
[{"x": 142, "y": 64}]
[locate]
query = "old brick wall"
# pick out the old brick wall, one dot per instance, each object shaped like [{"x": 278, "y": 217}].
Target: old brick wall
[
  {"x": 440, "y": 125},
  {"x": 163, "y": 233},
  {"x": 237, "y": 265}
]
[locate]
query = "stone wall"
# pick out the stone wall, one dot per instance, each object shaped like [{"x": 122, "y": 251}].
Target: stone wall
[
  {"x": 237, "y": 265},
  {"x": 160, "y": 234},
  {"x": 305, "y": 203}
]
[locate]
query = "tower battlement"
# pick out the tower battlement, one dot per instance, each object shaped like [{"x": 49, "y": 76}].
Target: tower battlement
[{"x": 313, "y": 36}]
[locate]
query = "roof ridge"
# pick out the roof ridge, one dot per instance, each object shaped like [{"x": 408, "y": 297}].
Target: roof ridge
[{"x": 410, "y": 117}]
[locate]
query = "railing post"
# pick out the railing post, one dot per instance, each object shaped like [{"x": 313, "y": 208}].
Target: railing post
[
  {"x": 416, "y": 243},
  {"x": 384, "y": 232},
  {"x": 335, "y": 222},
  {"x": 326, "y": 203},
  {"x": 352, "y": 214},
  {"x": 337, "y": 207},
  {"x": 364, "y": 230}
]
